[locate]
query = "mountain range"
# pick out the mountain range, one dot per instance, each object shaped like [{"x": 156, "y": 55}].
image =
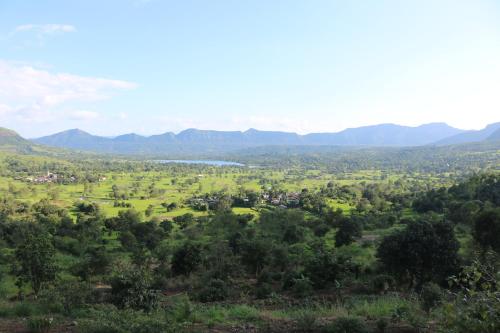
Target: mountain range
[
  {"x": 490, "y": 132},
  {"x": 207, "y": 141}
]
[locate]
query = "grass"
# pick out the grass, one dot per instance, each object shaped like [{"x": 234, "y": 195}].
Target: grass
[
  {"x": 178, "y": 186},
  {"x": 381, "y": 306}
]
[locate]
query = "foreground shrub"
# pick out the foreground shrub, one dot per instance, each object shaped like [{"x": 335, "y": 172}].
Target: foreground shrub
[
  {"x": 476, "y": 308},
  {"x": 109, "y": 320},
  {"x": 67, "y": 296},
  {"x": 431, "y": 296},
  {"x": 133, "y": 288},
  {"x": 39, "y": 324},
  {"x": 179, "y": 310}
]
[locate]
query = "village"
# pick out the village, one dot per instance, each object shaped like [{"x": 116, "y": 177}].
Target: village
[{"x": 249, "y": 199}]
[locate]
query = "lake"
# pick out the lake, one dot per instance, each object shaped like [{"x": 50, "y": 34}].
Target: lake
[{"x": 206, "y": 162}]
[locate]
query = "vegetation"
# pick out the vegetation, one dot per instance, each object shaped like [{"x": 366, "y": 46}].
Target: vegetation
[{"x": 111, "y": 245}]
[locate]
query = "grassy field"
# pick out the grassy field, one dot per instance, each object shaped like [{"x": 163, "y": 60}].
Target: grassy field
[{"x": 178, "y": 187}]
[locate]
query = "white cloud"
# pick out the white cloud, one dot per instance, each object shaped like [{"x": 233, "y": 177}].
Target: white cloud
[
  {"x": 28, "y": 93},
  {"x": 35, "y": 35},
  {"x": 122, "y": 115},
  {"x": 45, "y": 29},
  {"x": 83, "y": 115}
]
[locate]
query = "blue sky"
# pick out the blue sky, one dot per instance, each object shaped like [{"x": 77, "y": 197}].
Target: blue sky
[{"x": 112, "y": 67}]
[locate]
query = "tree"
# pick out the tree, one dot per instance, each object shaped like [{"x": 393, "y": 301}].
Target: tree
[
  {"x": 325, "y": 268},
  {"x": 348, "y": 231},
  {"x": 133, "y": 288},
  {"x": 423, "y": 252},
  {"x": 487, "y": 229},
  {"x": 186, "y": 259},
  {"x": 35, "y": 260},
  {"x": 255, "y": 254},
  {"x": 149, "y": 211},
  {"x": 95, "y": 261}
]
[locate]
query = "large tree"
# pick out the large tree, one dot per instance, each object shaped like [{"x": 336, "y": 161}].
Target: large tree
[
  {"x": 348, "y": 231},
  {"x": 424, "y": 251},
  {"x": 487, "y": 229},
  {"x": 35, "y": 260}
]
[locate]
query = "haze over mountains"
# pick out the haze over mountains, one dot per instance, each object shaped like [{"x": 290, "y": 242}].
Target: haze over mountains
[
  {"x": 192, "y": 140},
  {"x": 206, "y": 141}
]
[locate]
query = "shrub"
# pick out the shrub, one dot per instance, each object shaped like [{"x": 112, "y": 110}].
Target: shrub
[
  {"x": 325, "y": 268},
  {"x": 263, "y": 290},
  {"x": 347, "y": 325},
  {"x": 302, "y": 287},
  {"x": 105, "y": 319},
  {"x": 186, "y": 259},
  {"x": 213, "y": 291},
  {"x": 24, "y": 309},
  {"x": 382, "y": 283},
  {"x": 133, "y": 288},
  {"x": 348, "y": 231},
  {"x": 306, "y": 320},
  {"x": 430, "y": 296},
  {"x": 39, "y": 325},
  {"x": 180, "y": 310},
  {"x": 67, "y": 296}
]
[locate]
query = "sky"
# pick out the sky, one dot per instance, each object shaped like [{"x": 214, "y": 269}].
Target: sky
[{"x": 151, "y": 66}]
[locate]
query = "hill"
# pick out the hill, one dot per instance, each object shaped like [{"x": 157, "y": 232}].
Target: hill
[
  {"x": 495, "y": 136},
  {"x": 195, "y": 140},
  {"x": 471, "y": 136},
  {"x": 385, "y": 135},
  {"x": 12, "y": 142}
]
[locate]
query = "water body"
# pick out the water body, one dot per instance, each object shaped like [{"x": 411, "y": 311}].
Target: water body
[{"x": 206, "y": 162}]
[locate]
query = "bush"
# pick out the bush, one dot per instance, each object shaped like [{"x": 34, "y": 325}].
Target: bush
[
  {"x": 325, "y": 269},
  {"x": 382, "y": 283},
  {"x": 39, "y": 325},
  {"x": 179, "y": 311},
  {"x": 67, "y": 296},
  {"x": 302, "y": 287},
  {"x": 213, "y": 291},
  {"x": 109, "y": 320},
  {"x": 430, "y": 296},
  {"x": 263, "y": 290},
  {"x": 306, "y": 320},
  {"x": 186, "y": 259},
  {"x": 347, "y": 325},
  {"x": 133, "y": 288},
  {"x": 24, "y": 309}
]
